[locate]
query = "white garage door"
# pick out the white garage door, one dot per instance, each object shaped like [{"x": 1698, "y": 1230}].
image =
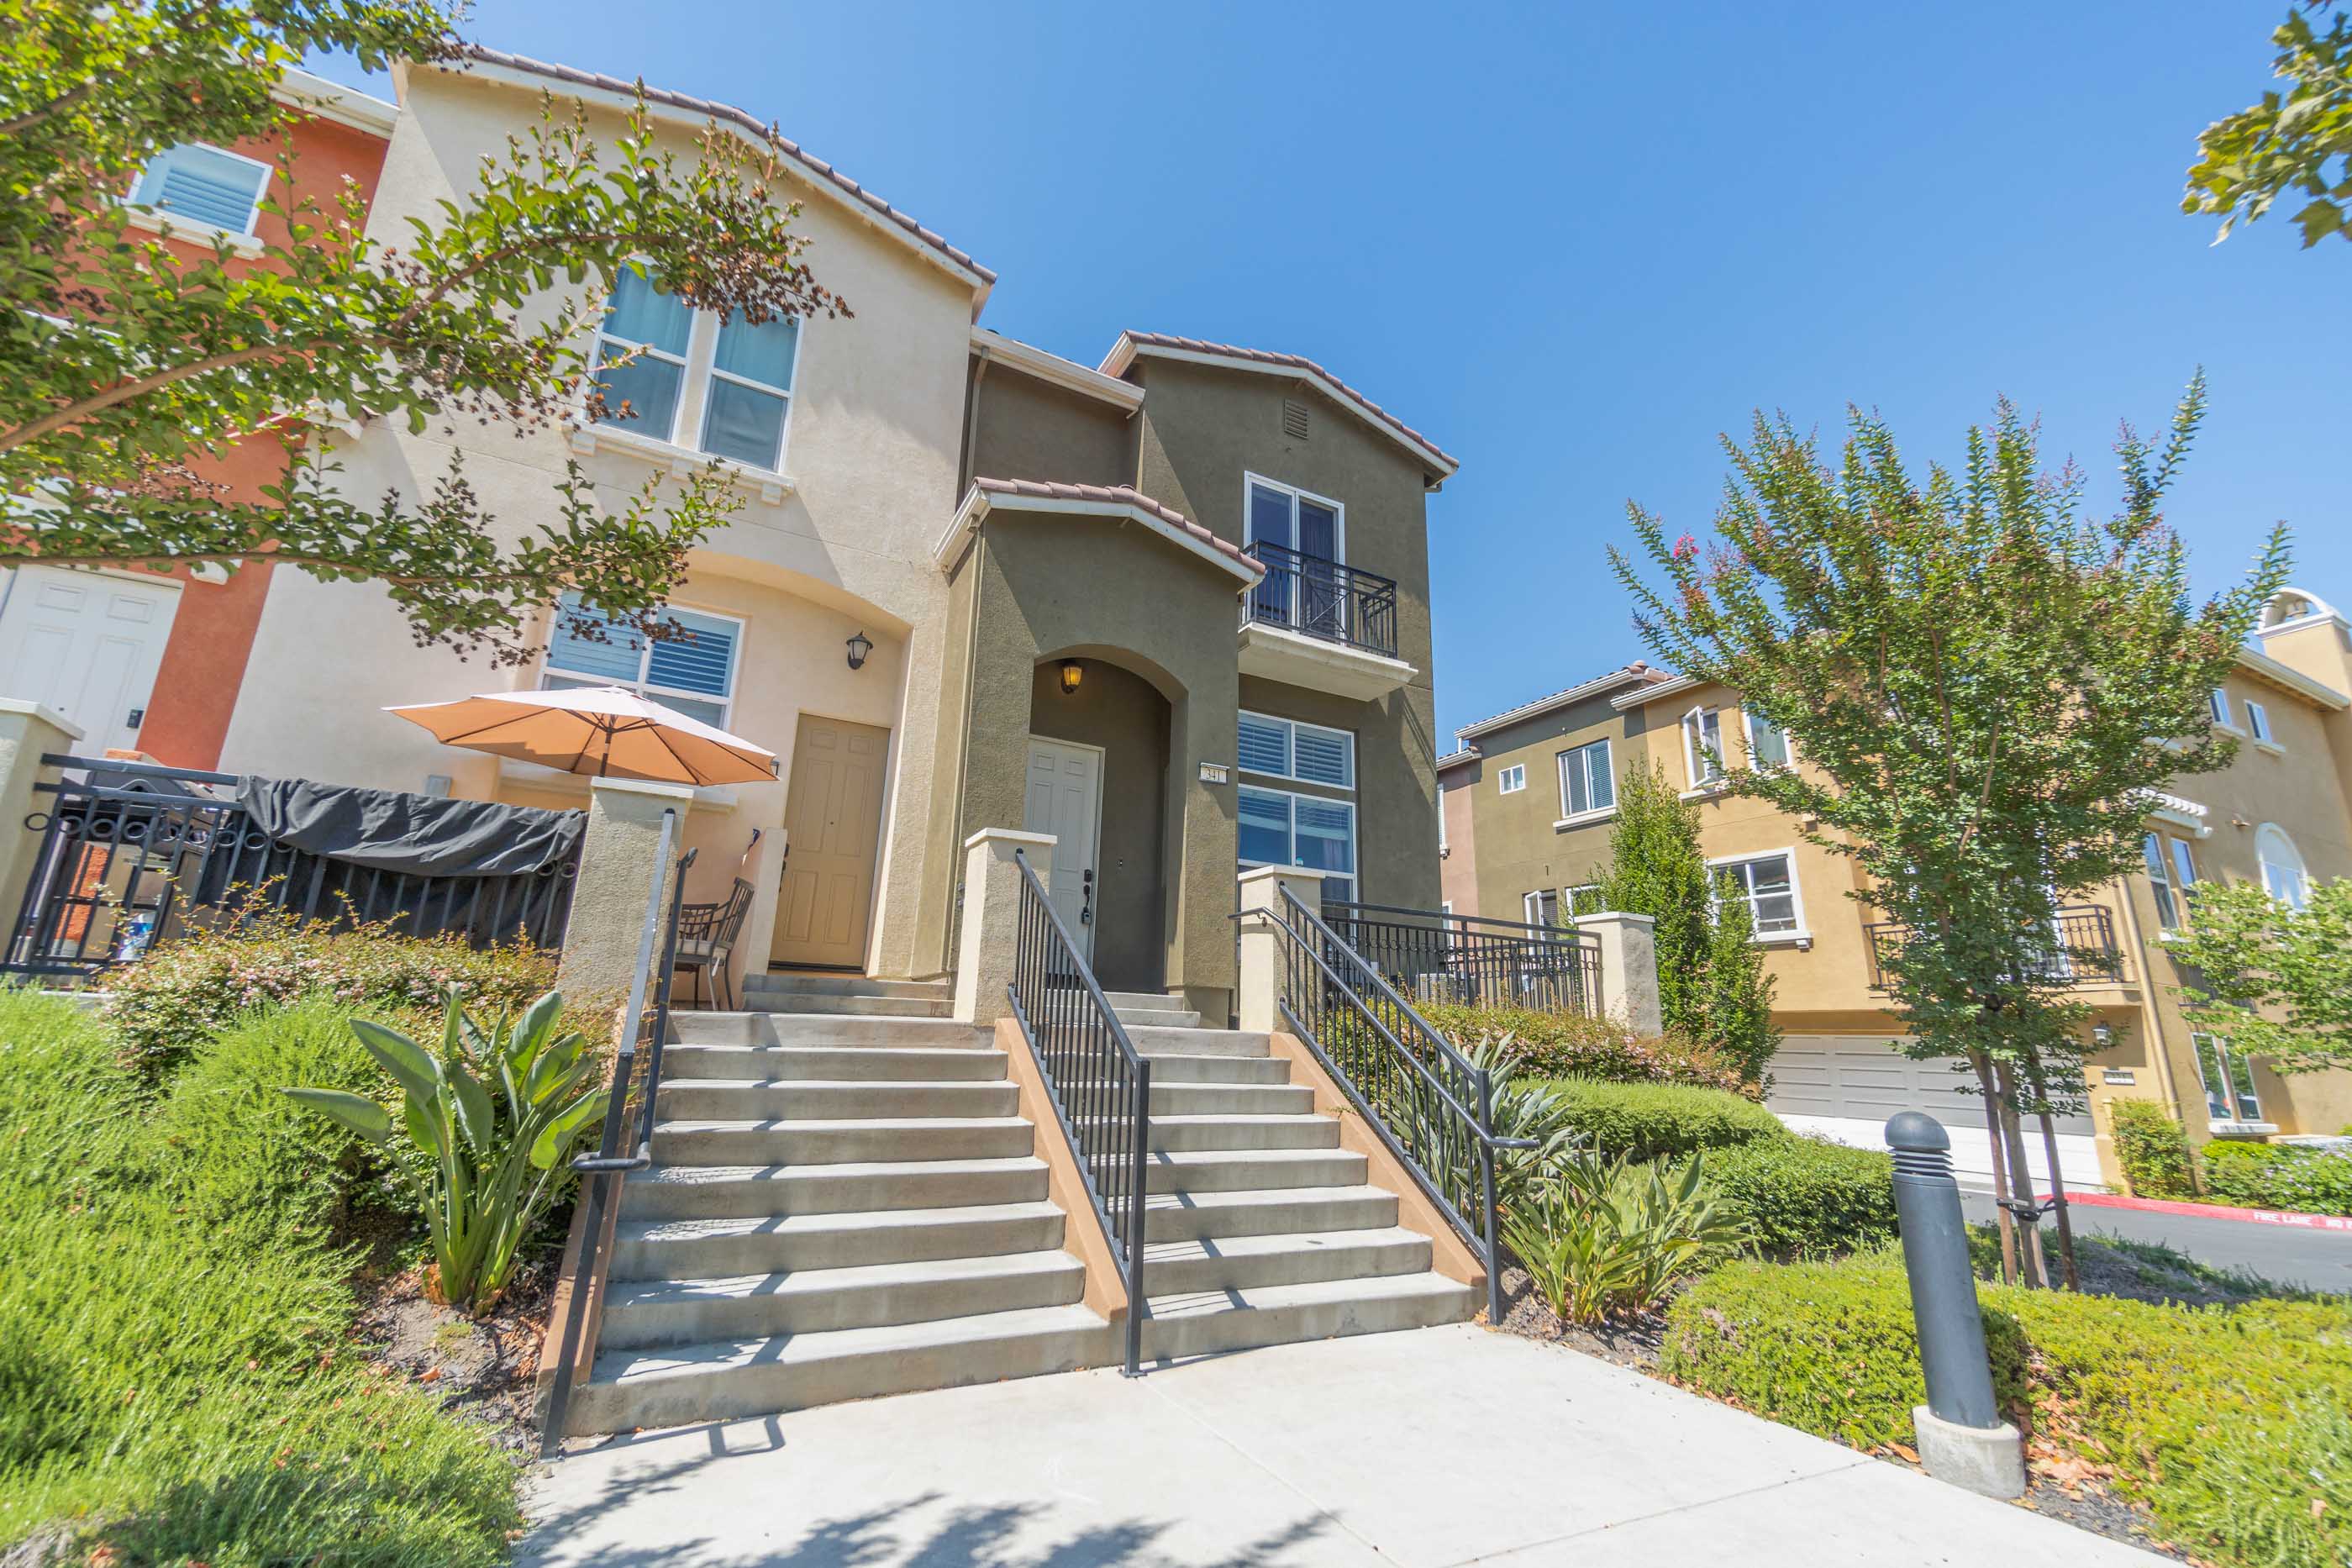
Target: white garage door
[{"x": 1866, "y": 1077}]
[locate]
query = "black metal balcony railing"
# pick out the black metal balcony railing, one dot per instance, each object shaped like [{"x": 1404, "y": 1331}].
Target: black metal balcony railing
[
  {"x": 1470, "y": 961},
  {"x": 2081, "y": 949},
  {"x": 1320, "y": 599}
]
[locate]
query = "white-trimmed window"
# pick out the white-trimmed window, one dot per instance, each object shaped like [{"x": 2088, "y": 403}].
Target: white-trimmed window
[
  {"x": 1584, "y": 899},
  {"x": 694, "y": 673},
  {"x": 1289, "y": 749},
  {"x": 2219, "y": 705},
  {"x": 1511, "y": 780},
  {"x": 2258, "y": 722},
  {"x": 1768, "y": 744},
  {"x": 2281, "y": 864},
  {"x": 652, "y": 345},
  {"x": 2228, "y": 1080},
  {"x": 204, "y": 183},
  {"x": 2159, "y": 882},
  {"x": 1541, "y": 906},
  {"x": 1587, "y": 785},
  {"x": 1768, "y": 885},
  {"x": 1278, "y": 827},
  {"x": 1295, "y": 519},
  {"x": 1703, "y": 747}
]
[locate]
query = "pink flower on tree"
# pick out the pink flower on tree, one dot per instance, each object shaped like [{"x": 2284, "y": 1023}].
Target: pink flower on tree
[{"x": 1686, "y": 547}]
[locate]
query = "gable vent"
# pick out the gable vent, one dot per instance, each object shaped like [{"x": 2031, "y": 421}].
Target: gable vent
[{"x": 1294, "y": 420}]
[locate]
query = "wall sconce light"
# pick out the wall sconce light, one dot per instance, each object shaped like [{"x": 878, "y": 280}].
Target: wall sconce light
[
  {"x": 859, "y": 647},
  {"x": 2103, "y": 1036},
  {"x": 1072, "y": 673}
]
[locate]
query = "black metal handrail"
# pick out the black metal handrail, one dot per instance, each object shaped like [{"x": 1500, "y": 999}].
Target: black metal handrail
[
  {"x": 1322, "y": 598},
  {"x": 1099, "y": 1084},
  {"x": 128, "y": 865},
  {"x": 2081, "y": 948},
  {"x": 603, "y": 1172},
  {"x": 1430, "y": 1105},
  {"x": 1473, "y": 961}
]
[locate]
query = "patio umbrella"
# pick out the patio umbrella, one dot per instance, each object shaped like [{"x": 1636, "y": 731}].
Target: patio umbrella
[{"x": 606, "y": 731}]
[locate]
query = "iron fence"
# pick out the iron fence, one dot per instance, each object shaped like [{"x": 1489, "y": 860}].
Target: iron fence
[
  {"x": 2080, "y": 950},
  {"x": 1472, "y": 961},
  {"x": 1321, "y": 598}
]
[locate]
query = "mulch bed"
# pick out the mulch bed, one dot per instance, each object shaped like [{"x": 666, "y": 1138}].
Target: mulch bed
[{"x": 482, "y": 1368}]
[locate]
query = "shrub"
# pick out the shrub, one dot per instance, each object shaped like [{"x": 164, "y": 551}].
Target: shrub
[
  {"x": 2152, "y": 1149},
  {"x": 1653, "y": 1120},
  {"x": 1827, "y": 1347},
  {"x": 2279, "y": 1176},
  {"x": 1571, "y": 1045},
  {"x": 1807, "y": 1197},
  {"x": 181, "y": 995},
  {"x": 1601, "y": 1238}
]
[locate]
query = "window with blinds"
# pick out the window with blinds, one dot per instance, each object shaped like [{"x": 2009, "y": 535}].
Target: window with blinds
[
  {"x": 692, "y": 671},
  {"x": 203, "y": 184}
]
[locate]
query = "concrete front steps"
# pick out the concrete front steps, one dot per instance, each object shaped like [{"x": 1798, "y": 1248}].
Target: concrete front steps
[
  {"x": 848, "y": 1204},
  {"x": 846, "y": 995}
]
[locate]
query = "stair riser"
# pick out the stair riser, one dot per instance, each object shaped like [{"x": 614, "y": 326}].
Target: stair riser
[
  {"x": 690, "y": 1099},
  {"x": 721, "y": 1256},
  {"x": 1219, "y": 1070},
  {"x": 791, "y": 1194},
  {"x": 870, "y": 1064},
  {"x": 1156, "y": 1018},
  {"x": 1243, "y": 1174},
  {"x": 807, "y": 1006},
  {"x": 1297, "y": 1132},
  {"x": 1230, "y": 1098},
  {"x": 761, "y": 1390},
  {"x": 1371, "y": 1212},
  {"x": 636, "y": 1326},
  {"x": 1156, "y": 1042},
  {"x": 1303, "y": 1265},
  {"x": 1210, "y": 1333},
  {"x": 846, "y": 985},
  {"x": 840, "y": 1145},
  {"x": 803, "y": 1029}
]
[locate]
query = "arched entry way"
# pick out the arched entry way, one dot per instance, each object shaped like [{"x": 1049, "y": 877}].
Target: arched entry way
[{"x": 1098, "y": 783}]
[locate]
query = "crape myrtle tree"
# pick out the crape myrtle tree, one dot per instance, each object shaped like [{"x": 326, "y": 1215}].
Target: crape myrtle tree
[
  {"x": 126, "y": 371},
  {"x": 1984, "y": 681},
  {"x": 2273, "y": 978},
  {"x": 2295, "y": 143}
]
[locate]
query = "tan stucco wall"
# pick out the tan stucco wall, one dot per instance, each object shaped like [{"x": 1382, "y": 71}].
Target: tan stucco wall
[{"x": 871, "y": 447}]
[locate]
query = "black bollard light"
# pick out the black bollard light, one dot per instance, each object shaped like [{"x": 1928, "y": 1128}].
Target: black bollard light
[{"x": 1962, "y": 1439}]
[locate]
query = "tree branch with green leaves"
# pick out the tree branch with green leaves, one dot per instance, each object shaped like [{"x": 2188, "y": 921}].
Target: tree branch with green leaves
[
  {"x": 2272, "y": 979},
  {"x": 2295, "y": 143}
]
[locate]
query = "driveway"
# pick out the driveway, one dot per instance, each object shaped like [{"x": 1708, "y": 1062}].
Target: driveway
[{"x": 1419, "y": 1449}]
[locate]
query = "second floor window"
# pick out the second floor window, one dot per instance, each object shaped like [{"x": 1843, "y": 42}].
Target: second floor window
[
  {"x": 1702, "y": 746},
  {"x": 2258, "y": 721},
  {"x": 1511, "y": 780},
  {"x": 652, "y": 345},
  {"x": 2282, "y": 865},
  {"x": 1286, "y": 749},
  {"x": 1280, "y": 514},
  {"x": 1586, "y": 784},
  {"x": 2228, "y": 1080},
  {"x": 1768, "y": 744},
  {"x": 1767, "y": 884},
  {"x": 2172, "y": 896},
  {"x": 694, "y": 673},
  {"x": 203, "y": 184},
  {"x": 2220, "y": 705}
]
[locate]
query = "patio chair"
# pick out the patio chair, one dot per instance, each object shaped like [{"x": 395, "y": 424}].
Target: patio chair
[{"x": 706, "y": 941}]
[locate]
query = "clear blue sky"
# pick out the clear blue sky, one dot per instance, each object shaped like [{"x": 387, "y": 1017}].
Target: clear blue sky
[{"x": 1575, "y": 244}]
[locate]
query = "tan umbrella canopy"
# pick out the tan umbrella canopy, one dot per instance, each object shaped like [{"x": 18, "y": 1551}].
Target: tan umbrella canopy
[{"x": 606, "y": 732}]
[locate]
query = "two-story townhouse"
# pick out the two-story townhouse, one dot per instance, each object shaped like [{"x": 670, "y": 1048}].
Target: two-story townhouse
[
  {"x": 141, "y": 661},
  {"x": 1529, "y": 804},
  {"x": 1171, "y": 607}
]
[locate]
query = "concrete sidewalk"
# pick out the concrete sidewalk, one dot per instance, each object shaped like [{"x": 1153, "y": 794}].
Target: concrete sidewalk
[{"x": 1420, "y": 1449}]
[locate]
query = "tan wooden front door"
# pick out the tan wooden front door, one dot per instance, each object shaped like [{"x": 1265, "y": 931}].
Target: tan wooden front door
[{"x": 833, "y": 822}]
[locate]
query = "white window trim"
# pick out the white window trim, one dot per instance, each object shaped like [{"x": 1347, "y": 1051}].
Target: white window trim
[
  {"x": 1590, "y": 813},
  {"x": 1567, "y": 898},
  {"x": 1531, "y": 906},
  {"x": 180, "y": 225},
  {"x": 1503, "y": 776},
  {"x": 2258, "y": 728},
  {"x": 1748, "y": 738},
  {"x": 1294, "y": 777},
  {"x": 2162, "y": 892},
  {"x": 1355, "y": 834},
  {"x": 1802, "y": 937},
  {"x": 1339, "y": 514},
  {"x": 1700, "y": 783},
  {"x": 644, "y": 658},
  {"x": 2262, "y": 863},
  {"x": 2223, "y": 1054},
  {"x": 2218, "y": 706}
]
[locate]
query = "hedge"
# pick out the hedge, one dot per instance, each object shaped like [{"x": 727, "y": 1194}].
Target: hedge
[
  {"x": 1571, "y": 1045},
  {"x": 2153, "y": 1149},
  {"x": 2279, "y": 1176},
  {"x": 1651, "y": 1120},
  {"x": 2228, "y": 1422},
  {"x": 1807, "y": 1197}
]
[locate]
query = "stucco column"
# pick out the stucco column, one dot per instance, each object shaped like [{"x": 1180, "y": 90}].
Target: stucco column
[
  {"x": 1258, "y": 995},
  {"x": 988, "y": 945},
  {"x": 27, "y": 730},
  {"x": 1629, "y": 968},
  {"x": 609, "y": 896}
]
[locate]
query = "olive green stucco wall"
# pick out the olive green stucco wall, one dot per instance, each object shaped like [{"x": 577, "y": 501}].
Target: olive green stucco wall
[
  {"x": 1514, "y": 846},
  {"x": 1128, "y": 719},
  {"x": 1030, "y": 429}
]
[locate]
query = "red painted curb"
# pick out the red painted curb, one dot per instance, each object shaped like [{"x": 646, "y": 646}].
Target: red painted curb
[{"x": 2211, "y": 1211}]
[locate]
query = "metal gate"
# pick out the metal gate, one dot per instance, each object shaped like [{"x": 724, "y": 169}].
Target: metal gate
[{"x": 135, "y": 855}]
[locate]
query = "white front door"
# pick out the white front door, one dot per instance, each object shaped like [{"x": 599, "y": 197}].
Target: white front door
[
  {"x": 87, "y": 644},
  {"x": 1065, "y": 800}
]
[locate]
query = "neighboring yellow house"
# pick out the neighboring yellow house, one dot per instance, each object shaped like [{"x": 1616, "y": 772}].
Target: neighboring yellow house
[{"x": 1529, "y": 797}]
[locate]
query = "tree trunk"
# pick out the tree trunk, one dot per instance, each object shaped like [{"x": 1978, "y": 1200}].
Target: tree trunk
[
  {"x": 2002, "y": 1220},
  {"x": 2036, "y": 1267},
  {"x": 2058, "y": 1204}
]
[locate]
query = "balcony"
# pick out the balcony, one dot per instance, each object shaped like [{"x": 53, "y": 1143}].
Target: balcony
[
  {"x": 1321, "y": 625},
  {"x": 2081, "y": 949}
]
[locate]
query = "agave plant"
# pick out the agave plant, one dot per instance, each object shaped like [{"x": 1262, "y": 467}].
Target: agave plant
[
  {"x": 487, "y": 1112},
  {"x": 1525, "y": 1109},
  {"x": 1601, "y": 1238}
]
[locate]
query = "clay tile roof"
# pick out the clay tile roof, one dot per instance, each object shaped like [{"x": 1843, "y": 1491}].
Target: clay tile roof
[
  {"x": 1118, "y": 495},
  {"x": 762, "y": 130},
  {"x": 1637, "y": 674},
  {"x": 1292, "y": 361}
]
